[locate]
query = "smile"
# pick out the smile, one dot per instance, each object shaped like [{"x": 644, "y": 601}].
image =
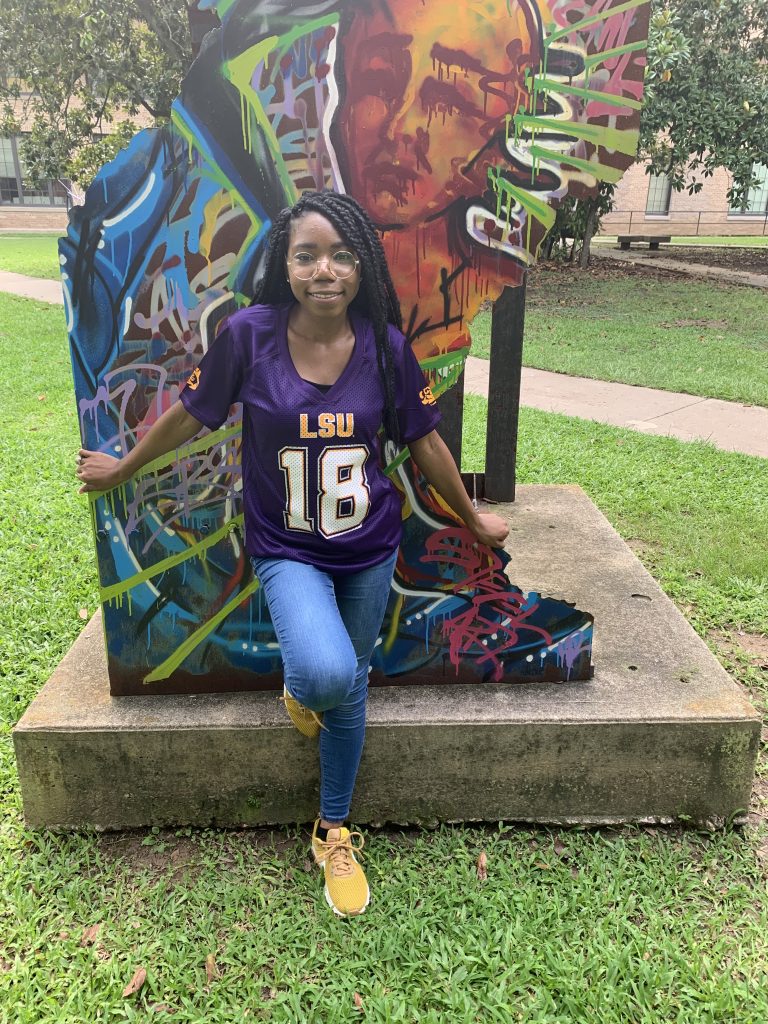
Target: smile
[{"x": 325, "y": 296}]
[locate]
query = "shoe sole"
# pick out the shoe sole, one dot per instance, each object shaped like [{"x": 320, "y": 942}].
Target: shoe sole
[{"x": 309, "y": 729}]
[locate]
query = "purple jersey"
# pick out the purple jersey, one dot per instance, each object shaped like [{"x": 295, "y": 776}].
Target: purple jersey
[{"x": 313, "y": 486}]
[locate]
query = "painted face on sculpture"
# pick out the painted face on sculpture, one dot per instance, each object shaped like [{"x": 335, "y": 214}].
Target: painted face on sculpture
[{"x": 427, "y": 90}]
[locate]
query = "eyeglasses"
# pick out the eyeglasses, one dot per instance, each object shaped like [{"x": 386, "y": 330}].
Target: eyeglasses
[{"x": 304, "y": 265}]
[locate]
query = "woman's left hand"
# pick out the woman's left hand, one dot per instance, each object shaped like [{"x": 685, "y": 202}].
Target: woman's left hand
[{"x": 490, "y": 529}]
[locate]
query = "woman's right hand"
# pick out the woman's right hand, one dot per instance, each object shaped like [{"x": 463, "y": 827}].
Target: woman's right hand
[{"x": 98, "y": 471}]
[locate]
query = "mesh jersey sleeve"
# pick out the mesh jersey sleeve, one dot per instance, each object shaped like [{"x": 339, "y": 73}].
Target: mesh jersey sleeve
[
  {"x": 417, "y": 411},
  {"x": 215, "y": 385}
]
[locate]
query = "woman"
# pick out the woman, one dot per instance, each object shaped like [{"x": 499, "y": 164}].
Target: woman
[{"x": 320, "y": 364}]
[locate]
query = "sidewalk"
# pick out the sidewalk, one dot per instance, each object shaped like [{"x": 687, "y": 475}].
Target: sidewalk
[{"x": 728, "y": 425}]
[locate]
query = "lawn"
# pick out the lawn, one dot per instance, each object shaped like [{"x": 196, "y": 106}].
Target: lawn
[
  {"x": 35, "y": 255},
  {"x": 738, "y": 240},
  {"x": 612, "y": 926},
  {"x": 699, "y": 337}
]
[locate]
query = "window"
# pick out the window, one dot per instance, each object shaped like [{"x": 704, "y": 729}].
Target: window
[
  {"x": 18, "y": 192},
  {"x": 757, "y": 197},
  {"x": 659, "y": 191},
  {"x": 9, "y": 179}
]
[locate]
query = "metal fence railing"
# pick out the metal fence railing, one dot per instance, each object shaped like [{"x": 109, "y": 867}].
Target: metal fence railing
[{"x": 684, "y": 222}]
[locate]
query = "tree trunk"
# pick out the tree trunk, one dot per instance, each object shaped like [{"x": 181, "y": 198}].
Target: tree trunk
[{"x": 589, "y": 230}]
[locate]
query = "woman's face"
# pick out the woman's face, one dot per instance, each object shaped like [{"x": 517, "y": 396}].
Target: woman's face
[
  {"x": 326, "y": 293},
  {"x": 423, "y": 99}
]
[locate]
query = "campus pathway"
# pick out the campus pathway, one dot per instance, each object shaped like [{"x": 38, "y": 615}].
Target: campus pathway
[{"x": 728, "y": 425}]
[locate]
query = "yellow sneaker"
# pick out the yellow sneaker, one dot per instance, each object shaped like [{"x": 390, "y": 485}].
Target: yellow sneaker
[
  {"x": 309, "y": 723},
  {"x": 346, "y": 887}
]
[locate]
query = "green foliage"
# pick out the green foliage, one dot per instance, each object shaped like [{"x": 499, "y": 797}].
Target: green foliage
[
  {"x": 576, "y": 222},
  {"x": 73, "y": 67},
  {"x": 706, "y": 91}
]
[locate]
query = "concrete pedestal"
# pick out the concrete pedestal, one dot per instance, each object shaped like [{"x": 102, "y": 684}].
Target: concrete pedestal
[{"x": 660, "y": 733}]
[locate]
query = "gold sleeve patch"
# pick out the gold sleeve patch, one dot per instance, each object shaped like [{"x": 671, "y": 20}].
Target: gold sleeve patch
[
  {"x": 194, "y": 379},
  {"x": 426, "y": 396}
]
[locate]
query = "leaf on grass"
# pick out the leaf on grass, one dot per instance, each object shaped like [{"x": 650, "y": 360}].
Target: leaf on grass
[
  {"x": 210, "y": 968},
  {"x": 41, "y": 398},
  {"x": 574, "y": 872},
  {"x": 89, "y": 935},
  {"x": 358, "y": 1001},
  {"x": 559, "y": 847},
  {"x": 482, "y": 866},
  {"x": 309, "y": 867},
  {"x": 135, "y": 983},
  {"x": 163, "y": 1008},
  {"x": 543, "y": 865},
  {"x": 83, "y": 613}
]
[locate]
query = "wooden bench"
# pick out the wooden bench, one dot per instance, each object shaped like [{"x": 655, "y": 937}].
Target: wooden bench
[{"x": 625, "y": 241}]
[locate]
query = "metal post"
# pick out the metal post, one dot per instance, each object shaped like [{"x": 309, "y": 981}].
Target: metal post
[
  {"x": 451, "y": 406},
  {"x": 505, "y": 371}
]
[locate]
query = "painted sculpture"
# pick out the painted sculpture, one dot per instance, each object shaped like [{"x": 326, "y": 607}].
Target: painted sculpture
[{"x": 459, "y": 127}]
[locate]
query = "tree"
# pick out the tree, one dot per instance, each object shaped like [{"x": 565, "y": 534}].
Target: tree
[
  {"x": 70, "y": 69},
  {"x": 706, "y": 92},
  {"x": 705, "y": 105}
]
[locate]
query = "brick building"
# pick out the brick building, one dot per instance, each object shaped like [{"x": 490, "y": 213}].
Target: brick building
[{"x": 646, "y": 205}]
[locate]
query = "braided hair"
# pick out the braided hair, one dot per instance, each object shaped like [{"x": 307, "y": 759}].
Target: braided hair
[{"x": 376, "y": 298}]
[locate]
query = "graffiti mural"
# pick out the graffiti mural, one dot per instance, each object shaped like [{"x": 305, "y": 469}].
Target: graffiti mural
[{"x": 459, "y": 128}]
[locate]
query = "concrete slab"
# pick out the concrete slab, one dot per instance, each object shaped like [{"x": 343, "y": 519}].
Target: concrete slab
[
  {"x": 31, "y": 287},
  {"x": 659, "y": 733},
  {"x": 710, "y": 417},
  {"x": 730, "y": 426}
]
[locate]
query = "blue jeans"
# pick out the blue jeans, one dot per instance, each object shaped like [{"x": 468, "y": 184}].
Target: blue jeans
[{"x": 327, "y": 626}]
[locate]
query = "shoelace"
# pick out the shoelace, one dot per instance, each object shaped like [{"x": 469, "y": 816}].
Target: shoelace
[{"x": 340, "y": 852}]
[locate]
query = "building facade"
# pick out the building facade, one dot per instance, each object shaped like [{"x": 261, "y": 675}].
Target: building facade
[{"x": 645, "y": 204}]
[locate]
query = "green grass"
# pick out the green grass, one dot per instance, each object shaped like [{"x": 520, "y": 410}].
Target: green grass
[
  {"x": 700, "y": 338},
  {"x": 611, "y": 926},
  {"x": 35, "y": 255},
  {"x": 739, "y": 240},
  {"x": 750, "y": 241}
]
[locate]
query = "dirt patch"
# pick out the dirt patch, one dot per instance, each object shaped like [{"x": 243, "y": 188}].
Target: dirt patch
[
  {"x": 752, "y": 261},
  {"x": 753, "y": 645},
  {"x": 181, "y": 856},
  {"x": 599, "y": 269},
  {"x": 718, "y": 325}
]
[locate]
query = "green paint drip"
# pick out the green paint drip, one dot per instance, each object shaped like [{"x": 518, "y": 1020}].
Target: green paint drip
[
  {"x": 108, "y": 593},
  {"x": 531, "y": 204},
  {"x": 185, "y": 649},
  {"x": 592, "y": 60},
  {"x": 600, "y": 171},
  {"x": 621, "y": 139},
  {"x": 397, "y": 461},
  {"x": 305, "y": 29},
  {"x": 603, "y": 16},
  {"x": 212, "y": 171},
  {"x": 550, "y": 85},
  {"x": 239, "y": 71}
]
